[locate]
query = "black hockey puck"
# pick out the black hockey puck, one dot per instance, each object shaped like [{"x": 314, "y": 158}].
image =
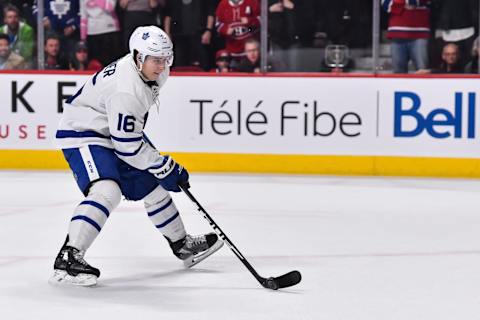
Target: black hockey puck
[{"x": 271, "y": 283}]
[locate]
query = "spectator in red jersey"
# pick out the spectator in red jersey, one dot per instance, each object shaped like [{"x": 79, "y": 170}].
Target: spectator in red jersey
[
  {"x": 238, "y": 21},
  {"x": 222, "y": 61},
  {"x": 409, "y": 30}
]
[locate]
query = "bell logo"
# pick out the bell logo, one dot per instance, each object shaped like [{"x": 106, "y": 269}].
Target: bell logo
[{"x": 439, "y": 123}]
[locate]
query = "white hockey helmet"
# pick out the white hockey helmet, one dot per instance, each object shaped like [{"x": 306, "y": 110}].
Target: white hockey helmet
[{"x": 151, "y": 41}]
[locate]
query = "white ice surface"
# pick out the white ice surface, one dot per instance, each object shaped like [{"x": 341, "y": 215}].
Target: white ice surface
[{"x": 368, "y": 248}]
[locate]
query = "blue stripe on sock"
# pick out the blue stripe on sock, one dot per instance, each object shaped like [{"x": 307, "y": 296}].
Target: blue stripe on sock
[
  {"x": 96, "y": 205},
  {"x": 168, "y": 221},
  {"x": 87, "y": 219},
  {"x": 154, "y": 212}
]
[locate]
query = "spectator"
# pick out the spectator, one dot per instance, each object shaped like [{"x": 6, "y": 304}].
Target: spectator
[
  {"x": 80, "y": 60},
  {"x": 222, "y": 61},
  {"x": 63, "y": 18},
  {"x": 138, "y": 13},
  {"x": 450, "y": 61},
  {"x": 20, "y": 34},
  {"x": 455, "y": 22},
  {"x": 25, "y": 8},
  {"x": 100, "y": 27},
  {"x": 290, "y": 26},
  {"x": 9, "y": 60},
  {"x": 238, "y": 21},
  {"x": 451, "y": 58},
  {"x": 347, "y": 22},
  {"x": 409, "y": 30},
  {"x": 251, "y": 61},
  {"x": 472, "y": 66},
  {"x": 190, "y": 25},
  {"x": 53, "y": 59}
]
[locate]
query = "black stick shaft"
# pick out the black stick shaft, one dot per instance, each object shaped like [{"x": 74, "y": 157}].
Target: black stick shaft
[{"x": 223, "y": 236}]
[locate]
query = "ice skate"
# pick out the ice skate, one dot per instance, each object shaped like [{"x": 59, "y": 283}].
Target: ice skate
[
  {"x": 71, "y": 268},
  {"x": 193, "y": 249}
]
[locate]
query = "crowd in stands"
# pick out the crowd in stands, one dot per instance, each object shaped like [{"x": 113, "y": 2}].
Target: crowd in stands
[
  {"x": 433, "y": 36},
  {"x": 423, "y": 36}
]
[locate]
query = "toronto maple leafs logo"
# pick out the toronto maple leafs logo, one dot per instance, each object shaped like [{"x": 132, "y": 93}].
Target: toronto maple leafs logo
[
  {"x": 145, "y": 36},
  {"x": 60, "y": 8}
]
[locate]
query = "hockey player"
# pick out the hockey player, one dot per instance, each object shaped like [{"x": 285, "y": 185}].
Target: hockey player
[{"x": 101, "y": 135}]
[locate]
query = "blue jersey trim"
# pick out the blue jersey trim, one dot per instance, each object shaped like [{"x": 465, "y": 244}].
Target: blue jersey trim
[
  {"x": 154, "y": 212},
  {"x": 62, "y": 134},
  {"x": 129, "y": 154},
  {"x": 168, "y": 221},
  {"x": 126, "y": 139},
  {"x": 88, "y": 220},
  {"x": 147, "y": 140},
  {"x": 94, "y": 79},
  {"x": 96, "y": 205},
  {"x": 79, "y": 92}
]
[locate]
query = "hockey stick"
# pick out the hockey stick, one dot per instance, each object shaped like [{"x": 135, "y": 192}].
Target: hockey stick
[{"x": 274, "y": 283}]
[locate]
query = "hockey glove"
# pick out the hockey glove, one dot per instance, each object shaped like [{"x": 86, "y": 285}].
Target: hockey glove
[{"x": 170, "y": 174}]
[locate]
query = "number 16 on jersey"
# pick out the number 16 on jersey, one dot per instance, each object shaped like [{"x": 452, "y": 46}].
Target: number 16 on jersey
[{"x": 126, "y": 123}]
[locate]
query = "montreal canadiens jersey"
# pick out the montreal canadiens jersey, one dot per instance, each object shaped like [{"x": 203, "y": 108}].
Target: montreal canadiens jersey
[{"x": 111, "y": 110}]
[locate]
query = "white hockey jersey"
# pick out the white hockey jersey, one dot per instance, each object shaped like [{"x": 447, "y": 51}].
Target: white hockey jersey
[{"x": 110, "y": 110}]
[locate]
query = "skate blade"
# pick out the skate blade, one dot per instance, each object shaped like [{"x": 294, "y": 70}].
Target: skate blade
[
  {"x": 61, "y": 277},
  {"x": 195, "y": 259}
]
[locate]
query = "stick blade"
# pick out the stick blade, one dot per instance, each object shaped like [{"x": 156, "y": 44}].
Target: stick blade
[
  {"x": 289, "y": 279},
  {"x": 284, "y": 281}
]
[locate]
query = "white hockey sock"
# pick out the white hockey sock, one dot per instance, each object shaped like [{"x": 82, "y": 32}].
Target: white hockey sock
[
  {"x": 92, "y": 213},
  {"x": 164, "y": 214}
]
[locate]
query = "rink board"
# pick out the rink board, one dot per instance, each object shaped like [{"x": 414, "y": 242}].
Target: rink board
[
  {"x": 358, "y": 125},
  {"x": 284, "y": 164}
]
